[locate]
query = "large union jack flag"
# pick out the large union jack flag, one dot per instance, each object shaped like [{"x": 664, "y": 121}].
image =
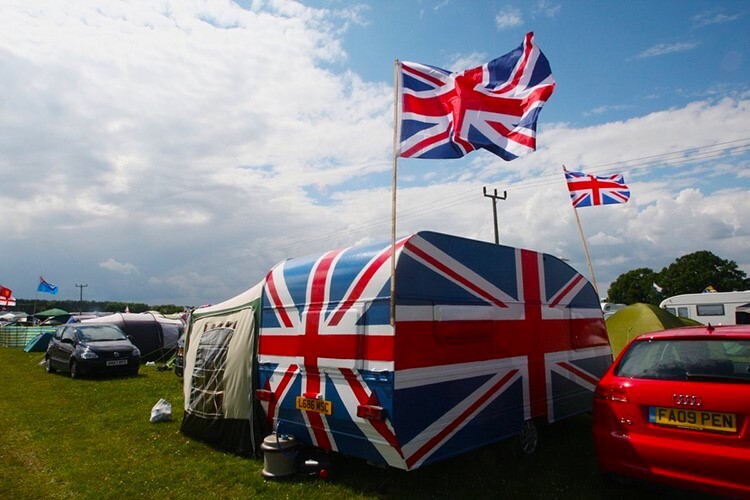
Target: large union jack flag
[
  {"x": 589, "y": 190},
  {"x": 494, "y": 106}
]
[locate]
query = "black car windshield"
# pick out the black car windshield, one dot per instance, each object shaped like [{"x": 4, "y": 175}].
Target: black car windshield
[
  {"x": 684, "y": 359},
  {"x": 100, "y": 333}
]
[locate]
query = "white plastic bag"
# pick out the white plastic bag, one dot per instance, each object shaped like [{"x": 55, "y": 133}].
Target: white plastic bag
[{"x": 162, "y": 411}]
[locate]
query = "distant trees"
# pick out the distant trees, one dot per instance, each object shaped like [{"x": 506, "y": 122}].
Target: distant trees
[
  {"x": 690, "y": 273},
  {"x": 635, "y": 286},
  {"x": 27, "y": 305}
]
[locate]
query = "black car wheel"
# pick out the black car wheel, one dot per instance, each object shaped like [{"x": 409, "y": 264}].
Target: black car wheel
[
  {"x": 74, "y": 373},
  {"x": 528, "y": 439},
  {"x": 48, "y": 365}
]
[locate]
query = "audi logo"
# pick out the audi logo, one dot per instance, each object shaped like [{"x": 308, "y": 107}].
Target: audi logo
[{"x": 687, "y": 400}]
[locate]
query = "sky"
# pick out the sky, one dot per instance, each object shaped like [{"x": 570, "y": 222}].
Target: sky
[{"x": 173, "y": 151}]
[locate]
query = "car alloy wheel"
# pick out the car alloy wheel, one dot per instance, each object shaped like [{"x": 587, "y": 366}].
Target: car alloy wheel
[
  {"x": 74, "y": 370},
  {"x": 528, "y": 439},
  {"x": 48, "y": 365}
]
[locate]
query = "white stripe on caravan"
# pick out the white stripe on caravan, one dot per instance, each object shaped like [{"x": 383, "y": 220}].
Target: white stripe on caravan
[
  {"x": 280, "y": 360},
  {"x": 449, "y": 312},
  {"x": 417, "y": 377},
  {"x": 588, "y": 352},
  {"x": 327, "y": 364}
]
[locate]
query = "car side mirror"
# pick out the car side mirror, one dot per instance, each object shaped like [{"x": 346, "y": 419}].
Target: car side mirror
[
  {"x": 68, "y": 341},
  {"x": 130, "y": 337}
]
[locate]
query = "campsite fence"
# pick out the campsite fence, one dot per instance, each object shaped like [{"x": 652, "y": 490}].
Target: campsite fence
[{"x": 19, "y": 336}]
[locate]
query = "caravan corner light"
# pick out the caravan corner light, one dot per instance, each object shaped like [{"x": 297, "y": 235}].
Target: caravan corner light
[
  {"x": 370, "y": 412},
  {"x": 263, "y": 395}
]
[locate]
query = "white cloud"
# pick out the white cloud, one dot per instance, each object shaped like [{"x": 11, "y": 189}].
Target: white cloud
[
  {"x": 460, "y": 62},
  {"x": 546, "y": 8},
  {"x": 709, "y": 18},
  {"x": 118, "y": 267},
  {"x": 175, "y": 138},
  {"x": 509, "y": 17},
  {"x": 661, "y": 49}
]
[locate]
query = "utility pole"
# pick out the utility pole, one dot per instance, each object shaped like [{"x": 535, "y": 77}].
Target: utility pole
[
  {"x": 495, "y": 197},
  {"x": 80, "y": 307}
]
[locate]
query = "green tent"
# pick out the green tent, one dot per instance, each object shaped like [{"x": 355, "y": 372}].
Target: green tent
[{"x": 637, "y": 319}]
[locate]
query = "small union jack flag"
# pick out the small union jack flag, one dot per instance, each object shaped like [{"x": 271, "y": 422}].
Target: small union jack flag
[
  {"x": 494, "y": 106},
  {"x": 588, "y": 190},
  {"x": 6, "y": 297}
]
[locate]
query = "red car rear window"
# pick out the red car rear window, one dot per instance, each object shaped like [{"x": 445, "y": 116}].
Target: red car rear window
[{"x": 687, "y": 359}]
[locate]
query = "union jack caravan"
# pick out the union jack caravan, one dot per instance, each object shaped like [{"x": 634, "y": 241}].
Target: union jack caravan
[{"x": 486, "y": 342}]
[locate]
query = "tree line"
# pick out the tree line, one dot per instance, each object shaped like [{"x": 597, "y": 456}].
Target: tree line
[
  {"x": 72, "y": 306},
  {"x": 692, "y": 273}
]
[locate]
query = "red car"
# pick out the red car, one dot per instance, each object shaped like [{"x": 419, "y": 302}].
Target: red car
[{"x": 674, "y": 408}]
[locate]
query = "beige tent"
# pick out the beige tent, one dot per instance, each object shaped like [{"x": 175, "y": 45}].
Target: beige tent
[{"x": 220, "y": 372}]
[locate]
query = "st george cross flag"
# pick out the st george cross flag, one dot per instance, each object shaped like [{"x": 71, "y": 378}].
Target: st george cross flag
[
  {"x": 46, "y": 287},
  {"x": 6, "y": 297},
  {"x": 494, "y": 106},
  {"x": 588, "y": 190}
]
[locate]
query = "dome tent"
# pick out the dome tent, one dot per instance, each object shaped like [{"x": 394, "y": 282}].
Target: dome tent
[{"x": 637, "y": 319}]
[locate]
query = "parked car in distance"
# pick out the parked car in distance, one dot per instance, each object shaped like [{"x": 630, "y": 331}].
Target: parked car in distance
[
  {"x": 674, "y": 408},
  {"x": 179, "y": 357},
  {"x": 91, "y": 348}
]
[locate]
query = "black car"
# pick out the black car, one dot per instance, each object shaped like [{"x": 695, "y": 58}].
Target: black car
[{"x": 91, "y": 348}]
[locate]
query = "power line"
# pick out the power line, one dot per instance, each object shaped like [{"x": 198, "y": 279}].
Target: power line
[{"x": 699, "y": 153}]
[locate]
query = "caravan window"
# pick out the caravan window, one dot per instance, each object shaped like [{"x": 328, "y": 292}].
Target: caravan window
[
  {"x": 710, "y": 309},
  {"x": 681, "y": 312}
]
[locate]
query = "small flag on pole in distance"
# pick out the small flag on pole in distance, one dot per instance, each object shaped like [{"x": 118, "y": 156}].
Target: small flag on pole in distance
[
  {"x": 46, "y": 287},
  {"x": 6, "y": 297},
  {"x": 589, "y": 190},
  {"x": 494, "y": 106}
]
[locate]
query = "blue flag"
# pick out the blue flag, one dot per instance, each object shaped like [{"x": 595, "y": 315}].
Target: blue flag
[{"x": 46, "y": 287}]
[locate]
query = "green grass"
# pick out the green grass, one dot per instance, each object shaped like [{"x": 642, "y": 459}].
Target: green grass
[{"x": 92, "y": 438}]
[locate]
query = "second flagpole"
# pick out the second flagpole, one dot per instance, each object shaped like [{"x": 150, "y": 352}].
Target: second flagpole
[
  {"x": 396, "y": 65},
  {"x": 585, "y": 246}
]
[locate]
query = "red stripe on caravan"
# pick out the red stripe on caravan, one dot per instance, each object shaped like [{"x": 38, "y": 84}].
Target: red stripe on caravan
[
  {"x": 278, "y": 306},
  {"x": 568, "y": 288},
  {"x": 285, "y": 379}
]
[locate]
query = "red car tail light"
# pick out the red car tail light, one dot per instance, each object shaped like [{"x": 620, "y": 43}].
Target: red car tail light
[{"x": 611, "y": 393}]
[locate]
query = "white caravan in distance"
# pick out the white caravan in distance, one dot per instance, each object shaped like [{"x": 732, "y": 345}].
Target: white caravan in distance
[{"x": 718, "y": 308}]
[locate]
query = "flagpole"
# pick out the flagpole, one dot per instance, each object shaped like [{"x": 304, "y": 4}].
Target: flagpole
[
  {"x": 585, "y": 247},
  {"x": 396, "y": 65}
]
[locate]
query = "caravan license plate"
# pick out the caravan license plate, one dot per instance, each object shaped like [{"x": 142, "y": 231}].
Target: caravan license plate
[
  {"x": 117, "y": 362},
  {"x": 693, "y": 419},
  {"x": 317, "y": 405}
]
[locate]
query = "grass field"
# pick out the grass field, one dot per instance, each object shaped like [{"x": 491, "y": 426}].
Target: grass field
[{"x": 91, "y": 438}]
